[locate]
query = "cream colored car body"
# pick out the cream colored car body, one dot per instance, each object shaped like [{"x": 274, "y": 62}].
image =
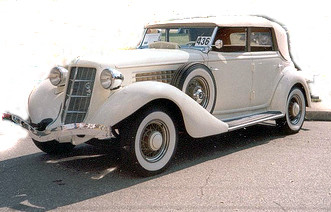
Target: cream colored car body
[{"x": 249, "y": 89}]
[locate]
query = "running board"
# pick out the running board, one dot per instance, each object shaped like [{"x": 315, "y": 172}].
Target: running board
[{"x": 250, "y": 120}]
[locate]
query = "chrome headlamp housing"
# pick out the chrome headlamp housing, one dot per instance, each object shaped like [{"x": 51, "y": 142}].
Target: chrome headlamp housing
[
  {"x": 111, "y": 78},
  {"x": 58, "y": 76}
]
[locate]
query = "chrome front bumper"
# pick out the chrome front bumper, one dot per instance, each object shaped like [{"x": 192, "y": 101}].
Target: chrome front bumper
[{"x": 82, "y": 129}]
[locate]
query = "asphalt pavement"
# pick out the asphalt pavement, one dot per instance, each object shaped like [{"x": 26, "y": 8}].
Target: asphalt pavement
[{"x": 252, "y": 169}]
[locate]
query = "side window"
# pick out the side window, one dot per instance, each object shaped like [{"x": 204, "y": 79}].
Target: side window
[
  {"x": 233, "y": 38},
  {"x": 261, "y": 40}
]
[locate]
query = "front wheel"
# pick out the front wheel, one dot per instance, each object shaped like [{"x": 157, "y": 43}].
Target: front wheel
[
  {"x": 149, "y": 141},
  {"x": 295, "y": 112},
  {"x": 53, "y": 147}
]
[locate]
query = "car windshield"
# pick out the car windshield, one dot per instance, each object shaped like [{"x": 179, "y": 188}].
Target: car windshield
[{"x": 188, "y": 37}]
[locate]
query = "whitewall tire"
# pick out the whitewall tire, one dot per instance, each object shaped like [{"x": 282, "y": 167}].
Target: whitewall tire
[
  {"x": 295, "y": 112},
  {"x": 198, "y": 82},
  {"x": 149, "y": 141}
]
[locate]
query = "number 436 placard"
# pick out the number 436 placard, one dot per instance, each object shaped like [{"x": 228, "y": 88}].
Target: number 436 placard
[{"x": 202, "y": 41}]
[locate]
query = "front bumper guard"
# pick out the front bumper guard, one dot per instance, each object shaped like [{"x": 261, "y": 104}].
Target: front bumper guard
[{"x": 95, "y": 130}]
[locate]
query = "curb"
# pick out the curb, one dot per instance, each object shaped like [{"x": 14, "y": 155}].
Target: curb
[{"x": 318, "y": 115}]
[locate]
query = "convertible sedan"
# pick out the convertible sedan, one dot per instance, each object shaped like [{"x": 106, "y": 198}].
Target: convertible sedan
[{"x": 202, "y": 76}]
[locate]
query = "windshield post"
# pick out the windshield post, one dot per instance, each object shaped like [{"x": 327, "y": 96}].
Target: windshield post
[
  {"x": 208, "y": 48},
  {"x": 142, "y": 40},
  {"x": 213, "y": 35}
]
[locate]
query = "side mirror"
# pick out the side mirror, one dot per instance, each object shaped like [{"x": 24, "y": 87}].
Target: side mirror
[{"x": 218, "y": 44}]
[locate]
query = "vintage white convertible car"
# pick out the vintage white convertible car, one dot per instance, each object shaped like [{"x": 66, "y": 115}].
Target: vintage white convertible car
[{"x": 202, "y": 76}]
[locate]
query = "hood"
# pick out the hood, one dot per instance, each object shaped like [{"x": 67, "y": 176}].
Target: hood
[{"x": 143, "y": 57}]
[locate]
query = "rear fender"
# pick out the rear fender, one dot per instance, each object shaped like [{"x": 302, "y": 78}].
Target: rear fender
[
  {"x": 292, "y": 78},
  {"x": 124, "y": 102}
]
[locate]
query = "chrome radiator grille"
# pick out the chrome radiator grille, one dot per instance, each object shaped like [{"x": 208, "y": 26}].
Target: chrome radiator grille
[
  {"x": 159, "y": 76},
  {"x": 78, "y": 95}
]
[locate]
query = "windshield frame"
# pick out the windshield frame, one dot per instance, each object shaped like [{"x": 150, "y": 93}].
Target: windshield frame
[{"x": 213, "y": 34}]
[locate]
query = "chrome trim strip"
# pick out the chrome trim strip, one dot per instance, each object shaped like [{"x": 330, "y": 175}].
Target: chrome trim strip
[
  {"x": 79, "y": 96},
  {"x": 96, "y": 130},
  {"x": 76, "y": 111},
  {"x": 157, "y": 65},
  {"x": 76, "y": 80},
  {"x": 255, "y": 122}
]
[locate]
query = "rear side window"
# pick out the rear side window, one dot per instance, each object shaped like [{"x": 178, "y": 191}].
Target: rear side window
[
  {"x": 233, "y": 38},
  {"x": 261, "y": 40}
]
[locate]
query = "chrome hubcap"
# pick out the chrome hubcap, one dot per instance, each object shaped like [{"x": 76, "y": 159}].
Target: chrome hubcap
[
  {"x": 295, "y": 109},
  {"x": 198, "y": 95},
  {"x": 154, "y": 141},
  {"x": 198, "y": 89}
]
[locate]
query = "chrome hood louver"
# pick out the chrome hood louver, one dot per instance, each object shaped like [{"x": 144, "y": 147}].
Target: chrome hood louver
[{"x": 159, "y": 76}]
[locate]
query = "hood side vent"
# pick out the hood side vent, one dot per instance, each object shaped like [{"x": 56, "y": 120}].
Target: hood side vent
[{"x": 159, "y": 76}]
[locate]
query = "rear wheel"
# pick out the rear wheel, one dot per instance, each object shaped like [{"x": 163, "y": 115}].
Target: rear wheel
[
  {"x": 53, "y": 147},
  {"x": 295, "y": 112},
  {"x": 149, "y": 141}
]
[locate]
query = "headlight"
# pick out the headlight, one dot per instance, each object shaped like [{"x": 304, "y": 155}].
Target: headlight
[
  {"x": 111, "y": 78},
  {"x": 58, "y": 76}
]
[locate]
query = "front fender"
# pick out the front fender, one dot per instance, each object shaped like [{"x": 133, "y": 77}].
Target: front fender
[
  {"x": 198, "y": 121},
  {"x": 45, "y": 101},
  {"x": 291, "y": 78}
]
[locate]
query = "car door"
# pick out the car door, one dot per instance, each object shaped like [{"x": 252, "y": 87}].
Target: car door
[
  {"x": 231, "y": 66},
  {"x": 267, "y": 66}
]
